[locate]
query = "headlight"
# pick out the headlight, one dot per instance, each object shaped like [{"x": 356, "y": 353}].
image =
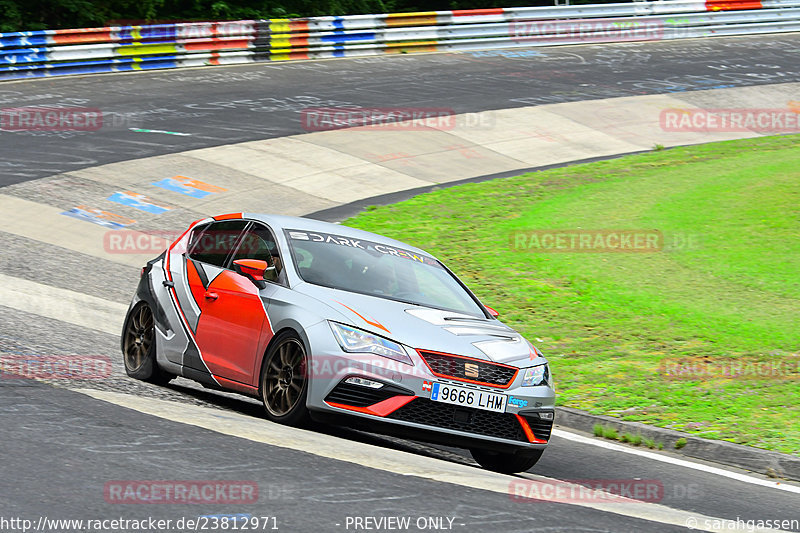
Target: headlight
[
  {"x": 358, "y": 341},
  {"x": 535, "y": 375}
]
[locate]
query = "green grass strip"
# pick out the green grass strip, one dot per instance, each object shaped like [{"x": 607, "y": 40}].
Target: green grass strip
[{"x": 679, "y": 337}]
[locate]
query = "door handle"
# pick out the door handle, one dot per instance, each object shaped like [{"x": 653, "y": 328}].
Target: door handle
[{"x": 211, "y": 295}]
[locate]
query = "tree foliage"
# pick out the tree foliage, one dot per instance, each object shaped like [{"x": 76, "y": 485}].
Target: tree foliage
[{"x": 24, "y": 15}]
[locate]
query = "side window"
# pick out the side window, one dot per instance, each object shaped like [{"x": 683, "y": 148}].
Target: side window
[
  {"x": 194, "y": 237},
  {"x": 259, "y": 243},
  {"x": 216, "y": 241}
]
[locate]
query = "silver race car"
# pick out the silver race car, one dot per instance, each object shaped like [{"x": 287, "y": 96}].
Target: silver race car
[{"x": 328, "y": 323}]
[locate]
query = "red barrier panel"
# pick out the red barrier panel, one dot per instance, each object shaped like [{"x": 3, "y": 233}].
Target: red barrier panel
[
  {"x": 216, "y": 44},
  {"x": 477, "y": 12},
  {"x": 732, "y": 5},
  {"x": 84, "y": 35}
]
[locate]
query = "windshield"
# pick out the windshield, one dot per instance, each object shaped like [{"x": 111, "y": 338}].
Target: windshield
[{"x": 377, "y": 269}]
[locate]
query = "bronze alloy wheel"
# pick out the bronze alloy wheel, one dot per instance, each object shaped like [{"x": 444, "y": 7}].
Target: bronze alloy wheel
[
  {"x": 284, "y": 380},
  {"x": 139, "y": 336}
]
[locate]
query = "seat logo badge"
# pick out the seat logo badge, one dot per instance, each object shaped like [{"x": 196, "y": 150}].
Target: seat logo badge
[{"x": 471, "y": 370}]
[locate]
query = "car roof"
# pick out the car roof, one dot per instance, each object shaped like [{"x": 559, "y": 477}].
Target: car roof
[{"x": 283, "y": 222}]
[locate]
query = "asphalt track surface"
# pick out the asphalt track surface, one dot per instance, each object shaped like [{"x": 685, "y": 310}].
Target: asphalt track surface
[
  {"x": 59, "y": 447},
  {"x": 242, "y": 103}
]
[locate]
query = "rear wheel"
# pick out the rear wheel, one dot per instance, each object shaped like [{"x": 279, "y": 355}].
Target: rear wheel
[
  {"x": 139, "y": 346},
  {"x": 506, "y": 463},
  {"x": 284, "y": 380}
]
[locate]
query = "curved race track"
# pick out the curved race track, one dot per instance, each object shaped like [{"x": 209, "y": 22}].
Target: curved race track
[
  {"x": 235, "y": 104},
  {"x": 60, "y": 295}
]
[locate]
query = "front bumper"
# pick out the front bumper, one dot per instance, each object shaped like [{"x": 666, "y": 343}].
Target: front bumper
[{"x": 403, "y": 405}]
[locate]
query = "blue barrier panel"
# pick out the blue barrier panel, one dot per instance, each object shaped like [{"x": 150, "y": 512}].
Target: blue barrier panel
[
  {"x": 24, "y": 55},
  {"x": 343, "y": 38},
  {"x": 22, "y": 39}
]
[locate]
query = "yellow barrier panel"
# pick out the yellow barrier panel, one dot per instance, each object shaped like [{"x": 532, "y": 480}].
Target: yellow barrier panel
[
  {"x": 139, "y": 49},
  {"x": 420, "y": 18},
  {"x": 279, "y": 25}
]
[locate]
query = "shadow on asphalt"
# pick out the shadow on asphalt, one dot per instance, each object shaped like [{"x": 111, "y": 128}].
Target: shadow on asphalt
[{"x": 252, "y": 407}]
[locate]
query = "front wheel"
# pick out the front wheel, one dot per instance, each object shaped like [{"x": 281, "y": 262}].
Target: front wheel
[
  {"x": 139, "y": 346},
  {"x": 284, "y": 381},
  {"x": 506, "y": 463}
]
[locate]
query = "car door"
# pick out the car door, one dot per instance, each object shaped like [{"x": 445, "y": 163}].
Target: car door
[
  {"x": 233, "y": 329},
  {"x": 193, "y": 262}
]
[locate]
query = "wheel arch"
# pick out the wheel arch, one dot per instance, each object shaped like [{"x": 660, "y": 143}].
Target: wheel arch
[{"x": 294, "y": 328}]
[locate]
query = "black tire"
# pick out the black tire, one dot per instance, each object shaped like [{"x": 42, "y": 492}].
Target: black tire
[
  {"x": 283, "y": 385},
  {"x": 506, "y": 463},
  {"x": 139, "y": 346}
]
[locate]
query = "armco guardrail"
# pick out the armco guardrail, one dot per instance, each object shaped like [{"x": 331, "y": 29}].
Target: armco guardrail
[{"x": 127, "y": 48}]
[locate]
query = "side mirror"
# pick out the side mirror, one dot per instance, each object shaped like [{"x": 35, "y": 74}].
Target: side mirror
[
  {"x": 253, "y": 269},
  {"x": 492, "y": 312}
]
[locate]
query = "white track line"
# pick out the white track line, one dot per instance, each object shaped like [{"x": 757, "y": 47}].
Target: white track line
[
  {"x": 677, "y": 462},
  {"x": 62, "y": 304},
  {"x": 395, "y": 461}
]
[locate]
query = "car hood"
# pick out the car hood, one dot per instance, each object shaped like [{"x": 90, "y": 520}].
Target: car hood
[{"x": 426, "y": 328}]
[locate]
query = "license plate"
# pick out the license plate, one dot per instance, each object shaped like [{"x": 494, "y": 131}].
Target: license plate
[{"x": 463, "y": 396}]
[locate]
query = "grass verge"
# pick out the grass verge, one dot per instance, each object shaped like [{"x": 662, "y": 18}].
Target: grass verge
[{"x": 702, "y": 336}]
